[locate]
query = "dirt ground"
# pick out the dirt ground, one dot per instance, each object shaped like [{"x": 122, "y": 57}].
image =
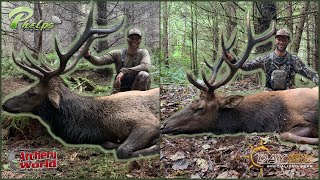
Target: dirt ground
[
  {"x": 209, "y": 156},
  {"x": 73, "y": 162}
]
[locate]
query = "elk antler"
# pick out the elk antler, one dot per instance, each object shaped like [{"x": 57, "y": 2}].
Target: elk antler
[
  {"x": 214, "y": 69},
  {"x": 89, "y": 34},
  {"x": 211, "y": 84}
]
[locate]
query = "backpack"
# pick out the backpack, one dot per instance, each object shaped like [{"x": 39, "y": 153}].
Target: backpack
[{"x": 278, "y": 77}]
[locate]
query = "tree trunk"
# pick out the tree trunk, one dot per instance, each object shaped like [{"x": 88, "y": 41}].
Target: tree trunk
[
  {"x": 192, "y": 39},
  {"x": 316, "y": 42},
  {"x": 196, "y": 42},
  {"x": 102, "y": 21},
  {"x": 37, "y": 35},
  {"x": 290, "y": 20},
  {"x": 214, "y": 31},
  {"x": 231, "y": 22},
  {"x": 298, "y": 33},
  {"x": 165, "y": 24},
  {"x": 308, "y": 43},
  {"x": 266, "y": 12}
]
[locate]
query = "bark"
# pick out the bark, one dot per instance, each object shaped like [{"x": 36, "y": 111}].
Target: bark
[
  {"x": 265, "y": 13},
  {"x": 102, "y": 21},
  {"x": 165, "y": 45},
  {"x": 37, "y": 34},
  {"x": 300, "y": 26},
  {"x": 308, "y": 43},
  {"x": 316, "y": 42},
  {"x": 290, "y": 20}
]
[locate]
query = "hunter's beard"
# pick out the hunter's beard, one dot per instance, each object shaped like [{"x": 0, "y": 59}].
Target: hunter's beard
[{"x": 281, "y": 48}]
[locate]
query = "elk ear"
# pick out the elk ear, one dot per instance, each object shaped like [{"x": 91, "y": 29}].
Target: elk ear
[
  {"x": 232, "y": 101},
  {"x": 54, "y": 99}
]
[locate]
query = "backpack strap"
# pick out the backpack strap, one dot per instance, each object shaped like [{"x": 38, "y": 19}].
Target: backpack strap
[
  {"x": 123, "y": 56},
  {"x": 268, "y": 62}
]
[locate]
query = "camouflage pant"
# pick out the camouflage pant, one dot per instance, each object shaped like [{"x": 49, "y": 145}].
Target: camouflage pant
[{"x": 141, "y": 82}]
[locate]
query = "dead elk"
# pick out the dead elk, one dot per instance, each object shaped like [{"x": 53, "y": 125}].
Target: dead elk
[
  {"x": 293, "y": 113},
  {"x": 127, "y": 122}
]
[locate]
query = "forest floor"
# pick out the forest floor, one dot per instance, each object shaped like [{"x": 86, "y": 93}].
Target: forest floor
[
  {"x": 73, "y": 162},
  {"x": 209, "y": 156}
]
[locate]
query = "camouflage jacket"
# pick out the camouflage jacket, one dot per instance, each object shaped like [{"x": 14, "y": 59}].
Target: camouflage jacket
[
  {"x": 289, "y": 63},
  {"x": 132, "y": 64}
]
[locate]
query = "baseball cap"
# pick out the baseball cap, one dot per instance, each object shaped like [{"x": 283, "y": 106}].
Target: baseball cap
[
  {"x": 282, "y": 32},
  {"x": 134, "y": 31}
]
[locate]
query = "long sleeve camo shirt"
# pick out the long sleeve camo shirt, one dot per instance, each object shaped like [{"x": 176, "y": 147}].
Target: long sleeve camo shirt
[
  {"x": 271, "y": 62},
  {"x": 132, "y": 64}
]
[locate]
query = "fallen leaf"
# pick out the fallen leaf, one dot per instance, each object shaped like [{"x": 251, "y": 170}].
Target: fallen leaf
[
  {"x": 222, "y": 175},
  {"x": 203, "y": 164},
  {"x": 229, "y": 174},
  {"x": 180, "y": 164},
  {"x": 73, "y": 156},
  {"x": 206, "y": 146},
  {"x": 195, "y": 176},
  {"x": 265, "y": 140},
  {"x": 178, "y": 155}
]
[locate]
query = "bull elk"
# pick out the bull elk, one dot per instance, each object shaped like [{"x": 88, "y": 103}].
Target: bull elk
[
  {"x": 292, "y": 112},
  {"x": 127, "y": 121}
]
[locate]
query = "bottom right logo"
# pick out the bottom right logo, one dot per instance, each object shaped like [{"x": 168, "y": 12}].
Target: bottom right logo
[{"x": 262, "y": 157}]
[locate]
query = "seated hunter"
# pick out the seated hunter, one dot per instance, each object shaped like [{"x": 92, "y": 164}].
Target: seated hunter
[
  {"x": 132, "y": 64},
  {"x": 280, "y": 66}
]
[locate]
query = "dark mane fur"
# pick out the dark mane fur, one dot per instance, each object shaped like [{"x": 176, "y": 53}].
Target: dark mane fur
[
  {"x": 75, "y": 121},
  {"x": 249, "y": 118}
]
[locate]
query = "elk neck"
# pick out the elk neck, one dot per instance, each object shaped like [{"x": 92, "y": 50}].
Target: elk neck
[
  {"x": 254, "y": 114},
  {"x": 77, "y": 119}
]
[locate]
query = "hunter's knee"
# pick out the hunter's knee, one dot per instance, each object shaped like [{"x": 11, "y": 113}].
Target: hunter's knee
[{"x": 143, "y": 75}]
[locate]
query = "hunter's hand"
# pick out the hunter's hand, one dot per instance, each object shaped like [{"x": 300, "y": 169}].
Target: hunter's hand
[{"x": 118, "y": 79}]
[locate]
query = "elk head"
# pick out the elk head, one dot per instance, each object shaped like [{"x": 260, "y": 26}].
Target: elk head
[
  {"x": 201, "y": 115},
  {"x": 48, "y": 86}
]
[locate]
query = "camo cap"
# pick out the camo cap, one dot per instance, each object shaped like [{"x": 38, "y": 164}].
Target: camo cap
[
  {"x": 134, "y": 31},
  {"x": 282, "y": 32}
]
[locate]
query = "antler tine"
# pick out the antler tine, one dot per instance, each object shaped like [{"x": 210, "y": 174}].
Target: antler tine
[
  {"x": 252, "y": 41},
  {"x": 89, "y": 31},
  {"x": 250, "y": 44},
  {"x": 196, "y": 84},
  {"x": 216, "y": 68},
  {"x": 44, "y": 65},
  {"x": 85, "y": 49},
  {"x": 206, "y": 82},
  {"x": 27, "y": 68},
  {"x": 33, "y": 65}
]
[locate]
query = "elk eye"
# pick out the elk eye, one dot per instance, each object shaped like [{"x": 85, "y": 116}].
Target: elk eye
[{"x": 199, "y": 110}]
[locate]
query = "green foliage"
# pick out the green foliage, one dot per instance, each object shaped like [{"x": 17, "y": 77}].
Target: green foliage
[
  {"x": 84, "y": 65},
  {"x": 174, "y": 74},
  {"x": 8, "y": 68},
  {"x": 102, "y": 90}
]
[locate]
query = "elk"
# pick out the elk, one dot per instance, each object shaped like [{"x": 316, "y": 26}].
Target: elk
[
  {"x": 292, "y": 112},
  {"x": 127, "y": 121}
]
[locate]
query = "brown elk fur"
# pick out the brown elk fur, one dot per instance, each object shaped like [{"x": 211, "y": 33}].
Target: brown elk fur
[
  {"x": 127, "y": 121},
  {"x": 293, "y": 111}
]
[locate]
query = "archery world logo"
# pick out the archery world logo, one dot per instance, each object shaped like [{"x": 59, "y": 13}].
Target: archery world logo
[{"x": 32, "y": 159}]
